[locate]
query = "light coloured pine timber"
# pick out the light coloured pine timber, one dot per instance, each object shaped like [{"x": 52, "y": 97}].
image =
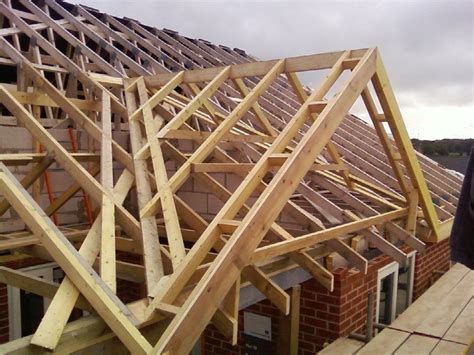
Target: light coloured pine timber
[
  {"x": 77, "y": 115},
  {"x": 386, "y": 247},
  {"x": 399, "y": 233},
  {"x": 107, "y": 305},
  {"x": 342, "y": 193},
  {"x": 82, "y": 176},
  {"x": 288, "y": 332},
  {"x": 228, "y": 226},
  {"x": 196, "y": 102},
  {"x": 225, "y": 324},
  {"x": 391, "y": 153},
  {"x": 412, "y": 214},
  {"x": 83, "y": 28},
  {"x": 304, "y": 241},
  {"x": 104, "y": 65},
  {"x": 149, "y": 232},
  {"x": 64, "y": 197},
  {"x": 352, "y": 256},
  {"x": 173, "y": 229},
  {"x": 350, "y": 63},
  {"x": 378, "y": 189},
  {"x": 338, "y": 160},
  {"x": 41, "y": 99},
  {"x": 107, "y": 249},
  {"x": 230, "y": 305},
  {"x": 301, "y": 258},
  {"x": 83, "y": 330},
  {"x": 167, "y": 309},
  {"x": 394, "y": 117},
  {"x": 15, "y": 159},
  {"x": 195, "y": 256},
  {"x": 203, "y": 151},
  {"x": 265, "y": 284},
  {"x": 50, "y": 49},
  {"x": 36, "y": 285},
  {"x": 221, "y": 167},
  {"x": 294, "y": 64},
  {"x": 148, "y": 63},
  {"x": 230, "y": 137},
  {"x": 324, "y": 206},
  {"x": 304, "y": 260},
  {"x": 379, "y": 242},
  {"x": 51, "y": 327},
  {"x": 243, "y": 89},
  {"x": 298, "y": 89},
  {"x": 158, "y": 96},
  {"x": 317, "y": 107},
  {"x": 207, "y": 105},
  {"x": 257, "y": 222},
  {"x": 30, "y": 178}
]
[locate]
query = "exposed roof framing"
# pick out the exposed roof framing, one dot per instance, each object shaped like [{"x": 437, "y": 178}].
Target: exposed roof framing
[{"x": 201, "y": 115}]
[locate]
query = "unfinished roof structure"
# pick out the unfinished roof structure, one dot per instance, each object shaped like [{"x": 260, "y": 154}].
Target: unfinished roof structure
[{"x": 287, "y": 174}]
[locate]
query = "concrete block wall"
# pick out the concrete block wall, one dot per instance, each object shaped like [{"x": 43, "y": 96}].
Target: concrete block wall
[{"x": 19, "y": 140}]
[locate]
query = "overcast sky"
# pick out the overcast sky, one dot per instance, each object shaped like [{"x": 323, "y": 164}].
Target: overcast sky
[{"x": 427, "y": 46}]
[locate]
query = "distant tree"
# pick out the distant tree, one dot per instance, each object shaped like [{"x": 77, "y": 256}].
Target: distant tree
[
  {"x": 428, "y": 150},
  {"x": 444, "y": 146}
]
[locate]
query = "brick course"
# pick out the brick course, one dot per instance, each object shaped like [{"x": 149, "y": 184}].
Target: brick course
[{"x": 326, "y": 316}]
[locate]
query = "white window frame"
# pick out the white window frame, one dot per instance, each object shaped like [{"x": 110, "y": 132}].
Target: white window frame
[
  {"x": 411, "y": 276},
  {"x": 44, "y": 271},
  {"x": 383, "y": 272}
]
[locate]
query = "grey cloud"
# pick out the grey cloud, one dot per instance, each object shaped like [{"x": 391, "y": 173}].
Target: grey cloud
[{"x": 427, "y": 46}]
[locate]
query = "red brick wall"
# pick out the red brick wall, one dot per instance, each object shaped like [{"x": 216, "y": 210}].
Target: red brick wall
[
  {"x": 129, "y": 291},
  {"x": 326, "y": 316},
  {"x": 4, "y": 328},
  {"x": 436, "y": 258}
]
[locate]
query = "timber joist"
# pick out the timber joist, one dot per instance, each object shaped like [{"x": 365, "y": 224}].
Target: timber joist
[{"x": 231, "y": 173}]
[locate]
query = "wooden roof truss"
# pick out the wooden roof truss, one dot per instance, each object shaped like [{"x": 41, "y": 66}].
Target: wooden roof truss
[{"x": 254, "y": 121}]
